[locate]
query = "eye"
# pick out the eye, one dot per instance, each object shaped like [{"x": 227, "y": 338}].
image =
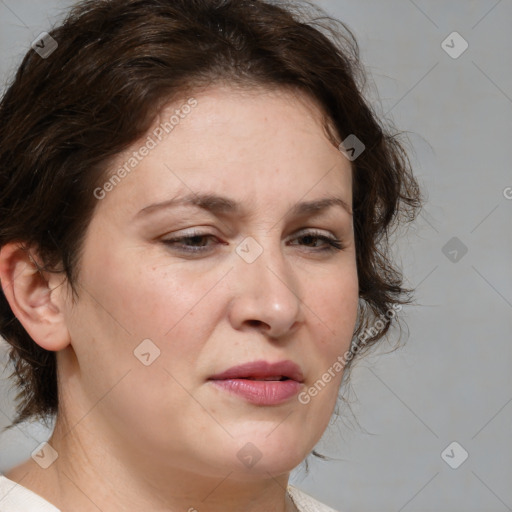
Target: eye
[
  {"x": 328, "y": 243},
  {"x": 197, "y": 242},
  {"x": 194, "y": 242}
]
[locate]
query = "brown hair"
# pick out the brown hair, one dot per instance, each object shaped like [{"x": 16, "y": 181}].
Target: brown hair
[{"x": 65, "y": 116}]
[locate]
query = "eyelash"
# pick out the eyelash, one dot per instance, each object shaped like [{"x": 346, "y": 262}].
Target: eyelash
[{"x": 333, "y": 244}]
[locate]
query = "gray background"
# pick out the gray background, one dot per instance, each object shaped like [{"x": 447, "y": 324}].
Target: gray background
[{"x": 451, "y": 381}]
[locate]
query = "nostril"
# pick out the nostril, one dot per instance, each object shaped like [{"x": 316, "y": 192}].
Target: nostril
[{"x": 255, "y": 323}]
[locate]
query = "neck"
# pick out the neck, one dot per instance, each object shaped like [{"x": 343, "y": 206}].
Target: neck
[{"x": 92, "y": 474}]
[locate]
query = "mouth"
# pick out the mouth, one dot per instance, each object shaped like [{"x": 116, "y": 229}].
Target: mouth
[
  {"x": 279, "y": 378},
  {"x": 260, "y": 382},
  {"x": 262, "y": 370}
]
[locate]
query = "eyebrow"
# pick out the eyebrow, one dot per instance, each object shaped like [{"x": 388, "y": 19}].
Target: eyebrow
[{"x": 220, "y": 205}]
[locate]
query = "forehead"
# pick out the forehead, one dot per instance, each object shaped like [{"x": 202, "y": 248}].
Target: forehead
[{"x": 245, "y": 143}]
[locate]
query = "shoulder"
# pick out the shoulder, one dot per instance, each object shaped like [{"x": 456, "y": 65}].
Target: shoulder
[
  {"x": 306, "y": 503},
  {"x": 16, "y": 498}
]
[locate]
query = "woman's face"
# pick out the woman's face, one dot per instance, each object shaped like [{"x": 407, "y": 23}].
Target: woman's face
[{"x": 236, "y": 271}]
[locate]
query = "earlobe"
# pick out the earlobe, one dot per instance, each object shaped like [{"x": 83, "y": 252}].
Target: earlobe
[{"x": 30, "y": 294}]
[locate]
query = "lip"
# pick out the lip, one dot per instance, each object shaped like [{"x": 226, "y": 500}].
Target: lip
[
  {"x": 262, "y": 370},
  {"x": 247, "y": 381}
]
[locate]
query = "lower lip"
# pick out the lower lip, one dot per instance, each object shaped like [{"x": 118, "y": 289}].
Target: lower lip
[{"x": 261, "y": 392}]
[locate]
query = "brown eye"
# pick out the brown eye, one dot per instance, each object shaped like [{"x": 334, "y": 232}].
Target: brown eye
[
  {"x": 312, "y": 238},
  {"x": 193, "y": 243}
]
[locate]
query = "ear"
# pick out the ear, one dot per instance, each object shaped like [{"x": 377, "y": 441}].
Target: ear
[{"x": 35, "y": 297}]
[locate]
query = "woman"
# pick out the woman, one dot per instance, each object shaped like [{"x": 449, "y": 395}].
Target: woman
[{"x": 196, "y": 202}]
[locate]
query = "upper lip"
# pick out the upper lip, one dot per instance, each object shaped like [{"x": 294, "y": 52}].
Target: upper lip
[{"x": 262, "y": 370}]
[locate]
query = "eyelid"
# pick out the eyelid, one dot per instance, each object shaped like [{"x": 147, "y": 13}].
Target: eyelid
[
  {"x": 194, "y": 232},
  {"x": 315, "y": 231},
  {"x": 329, "y": 237},
  {"x": 331, "y": 243}
]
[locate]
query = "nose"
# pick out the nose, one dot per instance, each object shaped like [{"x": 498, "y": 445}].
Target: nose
[{"x": 266, "y": 294}]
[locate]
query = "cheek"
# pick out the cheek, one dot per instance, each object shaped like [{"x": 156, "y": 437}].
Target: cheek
[
  {"x": 334, "y": 304},
  {"x": 125, "y": 300},
  {"x": 126, "y": 303},
  {"x": 143, "y": 298}
]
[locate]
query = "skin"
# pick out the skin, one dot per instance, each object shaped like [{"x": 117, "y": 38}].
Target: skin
[{"x": 161, "y": 437}]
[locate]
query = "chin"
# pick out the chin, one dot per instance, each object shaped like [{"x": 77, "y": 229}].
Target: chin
[
  {"x": 269, "y": 466},
  {"x": 266, "y": 452}
]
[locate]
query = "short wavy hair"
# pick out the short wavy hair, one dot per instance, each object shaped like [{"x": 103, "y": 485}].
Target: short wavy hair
[{"x": 118, "y": 62}]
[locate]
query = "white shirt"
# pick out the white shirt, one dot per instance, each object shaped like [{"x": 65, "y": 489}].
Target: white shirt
[{"x": 16, "y": 498}]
